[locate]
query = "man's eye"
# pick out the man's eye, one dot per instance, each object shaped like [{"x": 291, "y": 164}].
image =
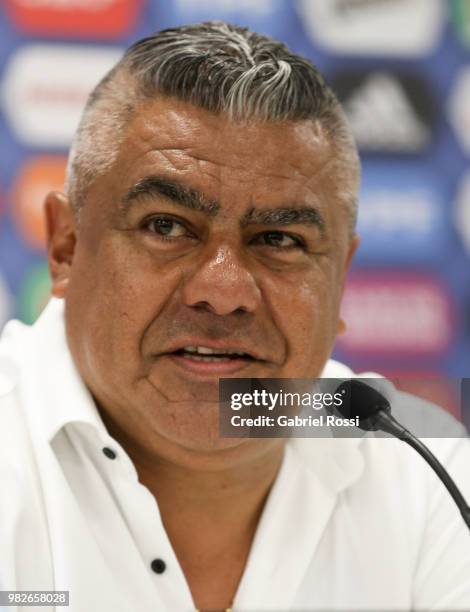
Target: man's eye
[
  {"x": 279, "y": 240},
  {"x": 165, "y": 227}
]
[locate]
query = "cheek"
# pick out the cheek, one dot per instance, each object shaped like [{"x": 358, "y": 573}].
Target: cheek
[
  {"x": 113, "y": 298},
  {"x": 307, "y": 313}
]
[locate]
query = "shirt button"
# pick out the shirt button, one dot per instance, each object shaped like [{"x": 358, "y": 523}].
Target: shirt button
[
  {"x": 109, "y": 452},
  {"x": 158, "y": 566}
]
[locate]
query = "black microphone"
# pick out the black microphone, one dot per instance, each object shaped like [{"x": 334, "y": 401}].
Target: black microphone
[{"x": 374, "y": 413}]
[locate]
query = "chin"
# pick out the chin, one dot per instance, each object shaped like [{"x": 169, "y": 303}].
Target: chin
[
  {"x": 190, "y": 424},
  {"x": 211, "y": 444},
  {"x": 203, "y": 452}
]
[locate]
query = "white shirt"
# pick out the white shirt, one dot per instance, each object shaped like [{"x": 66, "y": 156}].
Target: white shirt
[{"x": 349, "y": 524}]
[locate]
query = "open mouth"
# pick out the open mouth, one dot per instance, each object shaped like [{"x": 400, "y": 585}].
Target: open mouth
[{"x": 208, "y": 355}]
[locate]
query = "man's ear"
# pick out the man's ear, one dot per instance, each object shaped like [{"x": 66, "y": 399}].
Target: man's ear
[
  {"x": 61, "y": 239},
  {"x": 353, "y": 246}
]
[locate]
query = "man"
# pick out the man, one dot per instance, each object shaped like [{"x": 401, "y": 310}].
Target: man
[{"x": 206, "y": 232}]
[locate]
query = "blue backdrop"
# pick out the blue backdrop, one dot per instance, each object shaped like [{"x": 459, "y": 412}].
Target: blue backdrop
[{"x": 402, "y": 70}]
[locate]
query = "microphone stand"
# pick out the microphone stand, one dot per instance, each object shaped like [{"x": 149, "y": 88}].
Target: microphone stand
[{"x": 386, "y": 422}]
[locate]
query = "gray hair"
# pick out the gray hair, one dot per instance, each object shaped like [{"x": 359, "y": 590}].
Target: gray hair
[{"x": 219, "y": 67}]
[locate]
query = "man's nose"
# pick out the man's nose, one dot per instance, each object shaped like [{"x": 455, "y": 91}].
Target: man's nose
[{"x": 222, "y": 284}]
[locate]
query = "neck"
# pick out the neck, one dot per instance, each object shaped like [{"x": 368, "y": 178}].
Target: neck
[
  {"x": 210, "y": 511},
  {"x": 225, "y": 497},
  {"x": 236, "y": 477},
  {"x": 233, "y": 491},
  {"x": 225, "y": 488}
]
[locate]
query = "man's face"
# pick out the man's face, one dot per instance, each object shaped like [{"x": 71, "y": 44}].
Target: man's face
[{"x": 204, "y": 236}]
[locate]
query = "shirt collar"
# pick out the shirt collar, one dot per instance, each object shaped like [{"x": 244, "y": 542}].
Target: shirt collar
[{"x": 56, "y": 382}]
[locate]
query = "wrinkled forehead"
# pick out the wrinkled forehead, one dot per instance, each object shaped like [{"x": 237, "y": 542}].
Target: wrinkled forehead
[
  {"x": 238, "y": 173},
  {"x": 178, "y": 131},
  {"x": 206, "y": 157}
]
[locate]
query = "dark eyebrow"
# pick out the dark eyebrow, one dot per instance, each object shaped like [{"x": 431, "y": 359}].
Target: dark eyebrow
[
  {"x": 285, "y": 216},
  {"x": 154, "y": 186}
]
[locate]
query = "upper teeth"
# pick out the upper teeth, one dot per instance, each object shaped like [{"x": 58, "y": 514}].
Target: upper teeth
[{"x": 205, "y": 350}]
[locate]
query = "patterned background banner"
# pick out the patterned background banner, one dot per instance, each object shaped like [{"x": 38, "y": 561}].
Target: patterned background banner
[{"x": 402, "y": 71}]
